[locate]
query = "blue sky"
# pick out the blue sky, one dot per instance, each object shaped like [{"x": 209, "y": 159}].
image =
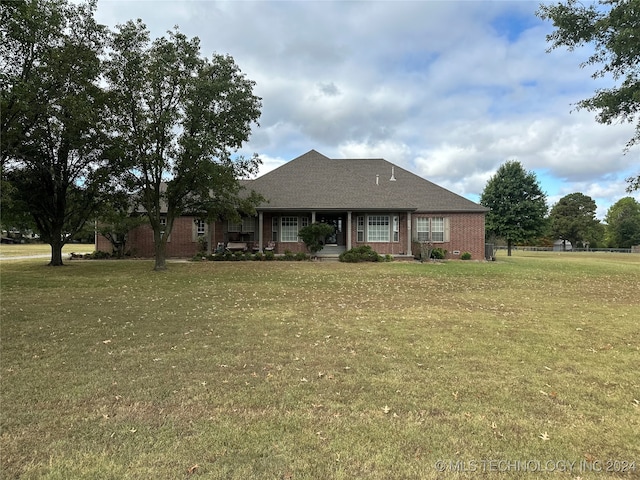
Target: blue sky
[{"x": 448, "y": 90}]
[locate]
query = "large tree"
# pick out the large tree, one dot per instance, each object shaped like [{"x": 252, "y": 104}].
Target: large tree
[
  {"x": 517, "y": 204},
  {"x": 181, "y": 120},
  {"x": 623, "y": 223},
  {"x": 610, "y": 28},
  {"x": 53, "y": 112},
  {"x": 573, "y": 219}
]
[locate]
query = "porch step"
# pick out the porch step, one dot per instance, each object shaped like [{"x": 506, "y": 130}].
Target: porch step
[{"x": 332, "y": 251}]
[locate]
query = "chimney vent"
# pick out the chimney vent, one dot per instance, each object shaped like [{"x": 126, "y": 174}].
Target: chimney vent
[
  {"x": 393, "y": 174},
  {"x": 377, "y": 179}
]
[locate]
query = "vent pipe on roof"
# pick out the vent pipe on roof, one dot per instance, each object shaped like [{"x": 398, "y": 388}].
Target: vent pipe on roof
[
  {"x": 377, "y": 179},
  {"x": 393, "y": 174}
]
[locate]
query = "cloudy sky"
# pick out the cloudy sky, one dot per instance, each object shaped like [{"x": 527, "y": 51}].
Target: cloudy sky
[{"x": 449, "y": 90}]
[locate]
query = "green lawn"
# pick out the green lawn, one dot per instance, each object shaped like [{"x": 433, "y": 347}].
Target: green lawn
[
  {"x": 16, "y": 250},
  {"x": 305, "y": 370}
]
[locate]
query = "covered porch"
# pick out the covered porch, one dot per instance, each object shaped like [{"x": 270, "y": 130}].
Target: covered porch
[{"x": 350, "y": 230}]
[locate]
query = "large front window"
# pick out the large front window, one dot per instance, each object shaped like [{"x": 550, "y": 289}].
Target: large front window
[
  {"x": 289, "y": 229},
  {"x": 234, "y": 226},
  {"x": 378, "y": 228},
  {"x": 249, "y": 224}
]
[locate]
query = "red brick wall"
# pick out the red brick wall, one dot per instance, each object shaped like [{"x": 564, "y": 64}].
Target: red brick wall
[
  {"x": 140, "y": 241},
  {"x": 383, "y": 248},
  {"x": 466, "y": 234},
  {"x": 281, "y": 247}
]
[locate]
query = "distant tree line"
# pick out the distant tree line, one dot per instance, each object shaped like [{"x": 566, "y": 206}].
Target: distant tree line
[{"x": 519, "y": 215}]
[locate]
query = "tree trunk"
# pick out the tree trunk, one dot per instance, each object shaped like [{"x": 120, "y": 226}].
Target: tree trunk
[
  {"x": 56, "y": 254},
  {"x": 161, "y": 252},
  {"x": 509, "y": 248}
]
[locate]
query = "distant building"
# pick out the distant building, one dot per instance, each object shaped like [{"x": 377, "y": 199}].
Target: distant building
[{"x": 562, "y": 246}]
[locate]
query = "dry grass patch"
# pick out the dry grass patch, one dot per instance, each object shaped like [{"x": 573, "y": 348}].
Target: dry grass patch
[{"x": 312, "y": 370}]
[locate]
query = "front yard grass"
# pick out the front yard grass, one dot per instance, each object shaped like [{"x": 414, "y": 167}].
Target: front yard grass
[
  {"x": 301, "y": 370},
  {"x": 25, "y": 249}
]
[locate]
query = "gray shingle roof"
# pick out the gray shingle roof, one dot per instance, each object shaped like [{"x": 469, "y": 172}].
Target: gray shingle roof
[{"x": 315, "y": 182}]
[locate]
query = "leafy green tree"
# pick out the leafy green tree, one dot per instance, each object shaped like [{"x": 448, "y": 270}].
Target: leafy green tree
[
  {"x": 610, "y": 27},
  {"x": 181, "y": 119},
  {"x": 53, "y": 115},
  {"x": 314, "y": 235},
  {"x": 517, "y": 205},
  {"x": 573, "y": 219},
  {"x": 14, "y": 214},
  {"x": 623, "y": 223}
]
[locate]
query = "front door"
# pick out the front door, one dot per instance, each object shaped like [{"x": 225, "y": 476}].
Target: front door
[{"x": 337, "y": 221}]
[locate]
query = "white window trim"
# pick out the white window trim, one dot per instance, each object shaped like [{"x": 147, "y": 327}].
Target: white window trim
[
  {"x": 395, "y": 229},
  {"x": 201, "y": 228},
  {"x": 163, "y": 227},
  {"x": 440, "y": 222},
  {"x": 288, "y": 229},
  {"x": 429, "y": 229},
  {"x": 360, "y": 228},
  {"x": 380, "y": 231},
  {"x": 422, "y": 227}
]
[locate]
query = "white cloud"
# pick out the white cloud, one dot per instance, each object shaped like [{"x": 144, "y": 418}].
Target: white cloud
[{"x": 449, "y": 90}]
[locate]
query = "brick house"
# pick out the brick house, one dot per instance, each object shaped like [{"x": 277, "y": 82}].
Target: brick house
[{"x": 368, "y": 201}]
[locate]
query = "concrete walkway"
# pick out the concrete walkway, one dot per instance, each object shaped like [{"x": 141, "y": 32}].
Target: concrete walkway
[{"x": 26, "y": 257}]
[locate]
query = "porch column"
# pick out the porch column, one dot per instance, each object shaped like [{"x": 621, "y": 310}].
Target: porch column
[
  {"x": 211, "y": 231},
  {"x": 260, "y": 232},
  {"x": 348, "y": 230},
  {"x": 409, "y": 233},
  {"x": 313, "y": 217}
]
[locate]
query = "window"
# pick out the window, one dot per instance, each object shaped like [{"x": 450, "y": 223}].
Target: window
[
  {"x": 274, "y": 229},
  {"x": 289, "y": 229},
  {"x": 437, "y": 229},
  {"x": 360, "y": 229},
  {"x": 396, "y": 229},
  {"x": 200, "y": 227},
  {"x": 163, "y": 226},
  {"x": 249, "y": 224},
  {"x": 234, "y": 227},
  {"x": 378, "y": 228},
  {"x": 304, "y": 222},
  {"x": 432, "y": 229},
  {"x": 422, "y": 229}
]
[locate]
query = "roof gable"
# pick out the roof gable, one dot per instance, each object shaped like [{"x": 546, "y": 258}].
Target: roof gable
[{"x": 315, "y": 182}]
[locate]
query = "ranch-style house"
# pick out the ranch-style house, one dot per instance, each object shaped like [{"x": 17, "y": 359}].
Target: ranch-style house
[{"x": 368, "y": 201}]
